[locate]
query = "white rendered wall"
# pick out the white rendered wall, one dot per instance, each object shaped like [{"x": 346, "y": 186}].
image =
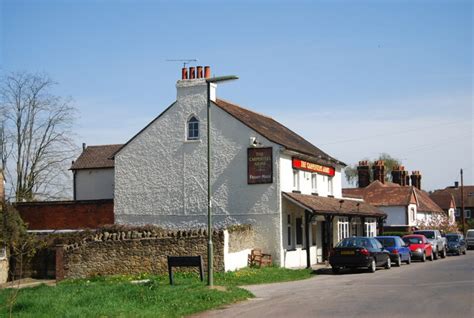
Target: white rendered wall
[
  {"x": 94, "y": 184},
  {"x": 236, "y": 260},
  {"x": 160, "y": 178},
  {"x": 396, "y": 215},
  {"x": 305, "y": 185}
]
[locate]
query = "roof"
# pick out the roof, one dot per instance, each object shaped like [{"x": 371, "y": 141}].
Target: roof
[
  {"x": 444, "y": 199},
  {"x": 327, "y": 205},
  {"x": 276, "y": 132},
  {"x": 96, "y": 157},
  {"x": 392, "y": 194},
  {"x": 456, "y": 192}
]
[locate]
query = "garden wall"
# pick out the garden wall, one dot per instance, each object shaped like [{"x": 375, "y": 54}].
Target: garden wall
[{"x": 134, "y": 252}]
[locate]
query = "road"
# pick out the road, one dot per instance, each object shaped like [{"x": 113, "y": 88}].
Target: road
[{"x": 442, "y": 288}]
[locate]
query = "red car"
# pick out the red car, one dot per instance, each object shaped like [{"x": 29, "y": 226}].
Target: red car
[{"x": 419, "y": 246}]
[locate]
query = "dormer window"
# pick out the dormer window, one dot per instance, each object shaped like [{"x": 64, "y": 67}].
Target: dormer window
[{"x": 193, "y": 128}]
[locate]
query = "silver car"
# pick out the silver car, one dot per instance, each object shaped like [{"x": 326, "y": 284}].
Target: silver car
[{"x": 470, "y": 239}]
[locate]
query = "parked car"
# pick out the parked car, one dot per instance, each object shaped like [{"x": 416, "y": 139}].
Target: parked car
[
  {"x": 437, "y": 241},
  {"x": 456, "y": 243},
  {"x": 358, "y": 251},
  {"x": 419, "y": 246},
  {"x": 470, "y": 239},
  {"x": 398, "y": 249}
]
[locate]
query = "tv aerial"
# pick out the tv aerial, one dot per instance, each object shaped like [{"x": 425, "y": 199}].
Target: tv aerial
[{"x": 184, "y": 61}]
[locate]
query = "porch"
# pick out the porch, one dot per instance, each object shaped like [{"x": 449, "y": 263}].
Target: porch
[{"x": 312, "y": 225}]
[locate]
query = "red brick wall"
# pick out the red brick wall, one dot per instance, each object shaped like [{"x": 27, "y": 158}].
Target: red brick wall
[{"x": 61, "y": 215}]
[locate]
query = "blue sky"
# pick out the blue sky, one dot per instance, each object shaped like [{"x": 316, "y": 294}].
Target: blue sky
[{"x": 356, "y": 78}]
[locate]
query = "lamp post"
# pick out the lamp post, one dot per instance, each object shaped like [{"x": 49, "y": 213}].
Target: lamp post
[{"x": 210, "y": 253}]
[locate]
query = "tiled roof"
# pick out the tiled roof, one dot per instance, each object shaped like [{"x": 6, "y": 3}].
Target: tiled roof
[
  {"x": 456, "y": 192},
  {"x": 325, "y": 205},
  {"x": 95, "y": 157},
  {"x": 444, "y": 199},
  {"x": 392, "y": 194},
  {"x": 276, "y": 132}
]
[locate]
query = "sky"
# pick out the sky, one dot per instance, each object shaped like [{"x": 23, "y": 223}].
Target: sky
[{"x": 355, "y": 78}]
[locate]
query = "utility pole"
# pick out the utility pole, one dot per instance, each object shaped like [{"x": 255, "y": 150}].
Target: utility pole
[{"x": 463, "y": 219}]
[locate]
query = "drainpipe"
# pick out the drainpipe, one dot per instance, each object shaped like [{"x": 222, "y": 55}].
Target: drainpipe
[{"x": 308, "y": 216}]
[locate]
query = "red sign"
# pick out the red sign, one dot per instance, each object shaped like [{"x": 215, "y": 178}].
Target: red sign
[
  {"x": 313, "y": 167},
  {"x": 259, "y": 165}
]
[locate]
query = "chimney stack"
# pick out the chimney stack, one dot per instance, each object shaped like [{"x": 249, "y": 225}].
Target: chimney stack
[
  {"x": 399, "y": 175},
  {"x": 379, "y": 170},
  {"x": 456, "y": 184},
  {"x": 416, "y": 179},
  {"x": 83, "y": 146},
  {"x": 363, "y": 172},
  {"x": 207, "y": 71}
]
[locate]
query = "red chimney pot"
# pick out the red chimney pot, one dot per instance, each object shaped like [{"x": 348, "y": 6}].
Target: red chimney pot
[
  {"x": 207, "y": 71},
  {"x": 199, "y": 72},
  {"x": 184, "y": 73},
  {"x": 192, "y": 72}
]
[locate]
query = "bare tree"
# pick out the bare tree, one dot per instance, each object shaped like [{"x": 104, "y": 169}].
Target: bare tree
[{"x": 35, "y": 136}]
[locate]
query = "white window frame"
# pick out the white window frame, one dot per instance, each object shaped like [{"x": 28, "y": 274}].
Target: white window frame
[
  {"x": 330, "y": 186},
  {"x": 314, "y": 182},
  {"x": 371, "y": 228},
  {"x": 296, "y": 180},
  {"x": 467, "y": 214},
  {"x": 342, "y": 228},
  {"x": 195, "y": 128},
  {"x": 355, "y": 223}
]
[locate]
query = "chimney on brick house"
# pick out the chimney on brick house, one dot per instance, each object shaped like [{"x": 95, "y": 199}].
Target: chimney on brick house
[
  {"x": 193, "y": 84},
  {"x": 379, "y": 170},
  {"x": 416, "y": 179},
  {"x": 363, "y": 173},
  {"x": 399, "y": 175}
]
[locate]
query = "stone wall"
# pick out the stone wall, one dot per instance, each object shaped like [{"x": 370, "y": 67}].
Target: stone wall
[
  {"x": 133, "y": 252},
  {"x": 241, "y": 237}
]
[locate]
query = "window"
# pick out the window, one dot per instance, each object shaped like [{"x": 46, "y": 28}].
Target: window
[
  {"x": 193, "y": 128},
  {"x": 467, "y": 214},
  {"x": 296, "y": 180},
  {"x": 343, "y": 228},
  {"x": 299, "y": 231},
  {"x": 314, "y": 182},
  {"x": 371, "y": 228},
  {"x": 330, "y": 189},
  {"x": 355, "y": 228},
  {"x": 289, "y": 229},
  {"x": 458, "y": 213}
]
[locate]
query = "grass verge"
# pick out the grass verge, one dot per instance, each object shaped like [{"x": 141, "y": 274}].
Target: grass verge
[{"x": 115, "y": 296}]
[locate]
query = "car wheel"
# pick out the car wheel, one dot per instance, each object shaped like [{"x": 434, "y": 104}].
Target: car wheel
[
  {"x": 432, "y": 256},
  {"x": 388, "y": 265},
  {"x": 409, "y": 259},
  {"x": 464, "y": 252},
  {"x": 435, "y": 254},
  {"x": 398, "y": 263},
  {"x": 423, "y": 257},
  {"x": 443, "y": 253},
  {"x": 372, "y": 267},
  {"x": 459, "y": 252},
  {"x": 336, "y": 270}
]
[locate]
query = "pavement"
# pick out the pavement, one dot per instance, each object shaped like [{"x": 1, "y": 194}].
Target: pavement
[{"x": 442, "y": 288}]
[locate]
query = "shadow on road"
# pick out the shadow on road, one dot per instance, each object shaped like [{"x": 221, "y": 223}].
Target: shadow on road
[{"x": 328, "y": 271}]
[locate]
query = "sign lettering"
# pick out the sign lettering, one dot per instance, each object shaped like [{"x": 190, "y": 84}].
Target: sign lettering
[
  {"x": 259, "y": 165},
  {"x": 313, "y": 167}
]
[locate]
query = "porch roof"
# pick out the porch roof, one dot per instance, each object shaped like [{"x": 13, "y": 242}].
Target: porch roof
[{"x": 333, "y": 206}]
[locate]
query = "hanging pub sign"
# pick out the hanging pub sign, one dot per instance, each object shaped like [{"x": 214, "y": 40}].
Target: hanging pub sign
[
  {"x": 312, "y": 167},
  {"x": 259, "y": 165}
]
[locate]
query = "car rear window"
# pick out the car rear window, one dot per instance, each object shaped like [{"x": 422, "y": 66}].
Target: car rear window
[
  {"x": 387, "y": 242},
  {"x": 353, "y": 242},
  {"x": 470, "y": 233},
  {"x": 452, "y": 238},
  {"x": 413, "y": 240}
]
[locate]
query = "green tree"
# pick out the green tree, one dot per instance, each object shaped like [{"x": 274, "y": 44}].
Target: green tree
[{"x": 390, "y": 162}]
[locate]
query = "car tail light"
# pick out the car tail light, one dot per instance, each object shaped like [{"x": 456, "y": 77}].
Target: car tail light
[
  {"x": 364, "y": 251},
  {"x": 395, "y": 251}
]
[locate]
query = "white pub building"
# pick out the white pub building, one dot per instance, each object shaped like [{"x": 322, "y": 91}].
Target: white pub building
[{"x": 263, "y": 174}]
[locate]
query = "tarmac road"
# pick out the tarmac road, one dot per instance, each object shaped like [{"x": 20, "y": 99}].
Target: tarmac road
[{"x": 442, "y": 288}]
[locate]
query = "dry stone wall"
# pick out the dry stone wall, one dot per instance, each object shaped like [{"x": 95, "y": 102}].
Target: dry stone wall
[{"x": 133, "y": 252}]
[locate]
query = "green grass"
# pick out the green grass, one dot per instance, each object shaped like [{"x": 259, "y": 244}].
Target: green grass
[{"x": 115, "y": 296}]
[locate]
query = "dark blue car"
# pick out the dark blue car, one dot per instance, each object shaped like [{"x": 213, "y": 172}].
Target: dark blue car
[{"x": 399, "y": 251}]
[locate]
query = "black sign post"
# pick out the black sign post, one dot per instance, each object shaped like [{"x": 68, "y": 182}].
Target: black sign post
[{"x": 184, "y": 261}]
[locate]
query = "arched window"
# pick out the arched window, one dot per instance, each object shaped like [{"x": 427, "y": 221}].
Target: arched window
[{"x": 193, "y": 128}]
